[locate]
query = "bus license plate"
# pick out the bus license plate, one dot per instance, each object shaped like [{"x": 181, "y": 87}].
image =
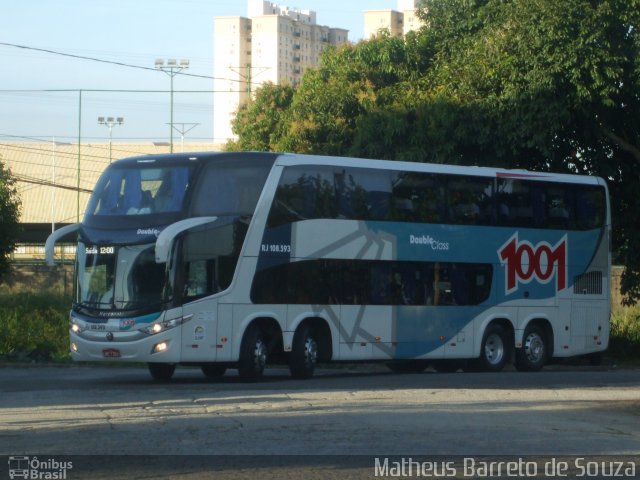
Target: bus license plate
[{"x": 111, "y": 353}]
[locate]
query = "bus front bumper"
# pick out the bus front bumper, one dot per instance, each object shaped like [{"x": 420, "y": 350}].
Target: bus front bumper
[{"x": 161, "y": 348}]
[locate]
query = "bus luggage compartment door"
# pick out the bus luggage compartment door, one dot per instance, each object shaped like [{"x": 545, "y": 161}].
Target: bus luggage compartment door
[
  {"x": 589, "y": 326},
  {"x": 199, "y": 333}
]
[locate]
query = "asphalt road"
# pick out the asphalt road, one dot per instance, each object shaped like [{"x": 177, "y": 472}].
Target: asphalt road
[{"x": 362, "y": 410}]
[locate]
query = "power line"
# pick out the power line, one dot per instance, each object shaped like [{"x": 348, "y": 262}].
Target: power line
[
  {"x": 47, "y": 152},
  {"x": 48, "y": 183},
  {"x": 88, "y": 157},
  {"x": 27, "y": 148},
  {"x": 111, "y": 62}
]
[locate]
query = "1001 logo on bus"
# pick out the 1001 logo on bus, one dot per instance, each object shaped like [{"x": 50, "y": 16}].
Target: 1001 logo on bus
[{"x": 524, "y": 262}]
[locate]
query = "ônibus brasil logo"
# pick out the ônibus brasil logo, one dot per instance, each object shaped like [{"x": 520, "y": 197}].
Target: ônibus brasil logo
[{"x": 524, "y": 262}]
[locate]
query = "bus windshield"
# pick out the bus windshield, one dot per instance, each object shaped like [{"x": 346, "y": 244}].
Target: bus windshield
[
  {"x": 118, "y": 278},
  {"x": 140, "y": 191}
]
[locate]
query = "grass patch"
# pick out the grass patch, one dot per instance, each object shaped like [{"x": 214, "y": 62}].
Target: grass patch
[
  {"x": 624, "y": 344},
  {"x": 34, "y": 327}
]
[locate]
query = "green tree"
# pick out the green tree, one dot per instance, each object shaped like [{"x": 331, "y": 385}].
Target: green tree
[
  {"x": 351, "y": 82},
  {"x": 9, "y": 216},
  {"x": 259, "y": 123}
]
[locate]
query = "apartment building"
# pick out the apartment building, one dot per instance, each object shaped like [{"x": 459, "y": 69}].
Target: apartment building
[
  {"x": 274, "y": 44},
  {"x": 398, "y": 22}
]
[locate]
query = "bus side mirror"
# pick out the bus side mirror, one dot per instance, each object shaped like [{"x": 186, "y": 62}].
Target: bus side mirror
[{"x": 49, "y": 246}]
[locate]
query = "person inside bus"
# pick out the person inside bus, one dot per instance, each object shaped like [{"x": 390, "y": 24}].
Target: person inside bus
[
  {"x": 464, "y": 208},
  {"x": 164, "y": 194}
]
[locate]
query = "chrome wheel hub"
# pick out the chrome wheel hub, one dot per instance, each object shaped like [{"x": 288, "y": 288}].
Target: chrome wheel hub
[
  {"x": 534, "y": 348},
  {"x": 494, "y": 349},
  {"x": 260, "y": 354},
  {"x": 310, "y": 351}
]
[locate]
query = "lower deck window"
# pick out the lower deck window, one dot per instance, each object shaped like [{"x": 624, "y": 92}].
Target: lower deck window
[{"x": 371, "y": 282}]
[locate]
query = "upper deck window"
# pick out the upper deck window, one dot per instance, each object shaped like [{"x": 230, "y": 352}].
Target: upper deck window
[
  {"x": 316, "y": 192},
  {"x": 230, "y": 187},
  {"x": 140, "y": 191}
]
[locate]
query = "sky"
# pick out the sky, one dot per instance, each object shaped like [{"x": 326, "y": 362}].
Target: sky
[{"x": 134, "y": 32}]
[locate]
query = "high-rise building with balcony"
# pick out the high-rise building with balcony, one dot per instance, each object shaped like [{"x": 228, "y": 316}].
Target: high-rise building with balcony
[
  {"x": 398, "y": 22},
  {"x": 274, "y": 44}
]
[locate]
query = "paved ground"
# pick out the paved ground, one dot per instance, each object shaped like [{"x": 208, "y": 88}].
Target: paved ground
[{"x": 350, "y": 411}]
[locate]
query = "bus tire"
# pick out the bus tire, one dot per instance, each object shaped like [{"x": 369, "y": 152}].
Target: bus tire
[
  {"x": 532, "y": 356},
  {"x": 213, "y": 370},
  {"x": 162, "y": 371},
  {"x": 304, "y": 353},
  {"x": 494, "y": 351},
  {"x": 253, "y": 354}
]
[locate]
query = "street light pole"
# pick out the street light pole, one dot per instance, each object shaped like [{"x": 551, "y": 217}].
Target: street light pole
[
  {"x": 186, "y": 128},
  {"x": 110, "y": 122},
  {"x": 171, "y": 68}
]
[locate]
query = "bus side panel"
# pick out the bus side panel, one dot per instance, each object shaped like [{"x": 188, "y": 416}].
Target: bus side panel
[
  {"x": 199, "y": 333},
  {"x": 435, "y": 332},
  {"x": 365, "y": 332}
]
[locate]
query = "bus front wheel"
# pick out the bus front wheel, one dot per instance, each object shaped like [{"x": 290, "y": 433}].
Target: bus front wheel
[
  {"x": 253, "y": 354},
  {"x": 304, "y": 353},
  {"x": 533, "y": 354},
  {"x": 162, "y": 371}
]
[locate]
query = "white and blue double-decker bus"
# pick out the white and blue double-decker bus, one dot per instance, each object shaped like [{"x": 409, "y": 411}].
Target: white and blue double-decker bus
[{"x": 234, "y": 260}]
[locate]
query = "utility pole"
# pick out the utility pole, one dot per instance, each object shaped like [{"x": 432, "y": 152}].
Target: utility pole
[
  {"x": 171, "y": 68},
  {"x": 248, "y": 76},
  {"x": 184, "y": 130}
]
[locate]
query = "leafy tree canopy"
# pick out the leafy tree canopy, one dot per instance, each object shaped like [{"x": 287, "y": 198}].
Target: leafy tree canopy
[
  {"x": 9, "y": 216},
  {"x": 537, "y": 84}
]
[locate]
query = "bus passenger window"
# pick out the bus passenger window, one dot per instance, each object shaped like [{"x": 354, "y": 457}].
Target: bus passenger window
[
  {"x": 303, "y": 194},
  {"x": 590, "y": 208},
  {"x": 515, "y": 206},
  {"x": 363, "y": 194},
  {"x": 418, "y": 197},
  {"x": 559, "y": 204},
  {"x": 470, "y": 200}
]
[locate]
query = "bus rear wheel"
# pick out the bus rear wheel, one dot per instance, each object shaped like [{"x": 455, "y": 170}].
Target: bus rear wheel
[
  {"x": 304, "y": 353},
  {"x": 253, "y": 354},
  {"x": 162, "y": 371},
  {"x": 533, "y": 354},
  {"x": 494, "y": 352}
]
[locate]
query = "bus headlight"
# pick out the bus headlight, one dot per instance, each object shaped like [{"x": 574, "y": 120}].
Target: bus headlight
[
  {"x": 160, "y": 347},
  {"x": 158, "y": 327},
  {"x": 76, "y": 328}
]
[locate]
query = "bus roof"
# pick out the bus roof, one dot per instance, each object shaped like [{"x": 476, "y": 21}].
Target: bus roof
[
  {"x": 187, "y": 157},
  {"x": 289, "y": 159}
]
